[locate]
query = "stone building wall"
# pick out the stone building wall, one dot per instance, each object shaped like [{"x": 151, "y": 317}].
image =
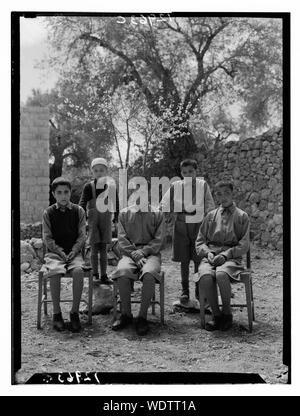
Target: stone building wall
[
  {"x": 255, "y": 165},
  {"x": 34, "y": 163}
]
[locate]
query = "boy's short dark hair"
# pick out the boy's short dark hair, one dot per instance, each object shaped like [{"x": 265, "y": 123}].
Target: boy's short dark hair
[
  {"x": 224, "y": 183},
  {"x": 188, "y": 162},
  {"x": 60, "y": 181}
]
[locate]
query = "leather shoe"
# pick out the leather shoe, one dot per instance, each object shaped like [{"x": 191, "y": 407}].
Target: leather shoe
[
  {"x": 184, "y": 299},
  {"x": 142, "y": 326},
  {"x": 122, "y": 322},
  {"x": 105, "y": 280},
  {"x": 75, "y": 322},
  {"x": 215, "y": 324},
  {"x": 58, "y": 322},
  {"x": 226, "y": 322}
]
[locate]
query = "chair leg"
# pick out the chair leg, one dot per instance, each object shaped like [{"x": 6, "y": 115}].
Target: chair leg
[
  {"x": 115, "y": 299},
  {"x": 90, "y": 298},
  {"x": 252, "y": 299},
  {"x": 40, "y": 294},
  {"x": 202, "y": 308},
  {"x": 162, "y": 298},
  {"x": 153, "y": 303},
  {"x": 249, "y": 303},
  {"x": 45, "y": 295}
]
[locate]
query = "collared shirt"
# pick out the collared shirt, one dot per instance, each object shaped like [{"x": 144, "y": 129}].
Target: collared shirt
[
  {"x": 63, "y": 208},
  {"x": 224, "y": 231},
  {"x": 174, "y": 198},
  {"x": 48, "y": 236},
  {"x": 141, "y": 230}
]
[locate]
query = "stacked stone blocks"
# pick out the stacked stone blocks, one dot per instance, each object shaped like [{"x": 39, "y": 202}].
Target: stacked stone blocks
[
  {"x": 34, "y": 163},
  {"x": 255, "y": 166}
]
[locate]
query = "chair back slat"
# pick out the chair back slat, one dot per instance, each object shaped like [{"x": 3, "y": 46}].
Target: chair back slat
[{"x": 248, "y": 261}]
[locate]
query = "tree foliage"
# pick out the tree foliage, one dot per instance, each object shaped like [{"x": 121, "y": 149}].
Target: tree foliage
[{"x": 186, "y": 70}]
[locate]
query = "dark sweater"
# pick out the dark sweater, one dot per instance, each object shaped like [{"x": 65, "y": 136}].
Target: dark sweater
[
  {"x": 87, "y": 195},
  {"x": 64, "y": 226}
]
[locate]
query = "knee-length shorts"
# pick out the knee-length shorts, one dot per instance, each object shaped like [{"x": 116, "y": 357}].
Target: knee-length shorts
[
  {"x": 184, "y": 237},
  {"x": 54, "y": 264},
  {"x": 232, "y": 267},
  {"x": 128, "y": 268}
]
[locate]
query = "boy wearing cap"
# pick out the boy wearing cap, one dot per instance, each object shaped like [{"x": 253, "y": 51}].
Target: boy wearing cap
[
  {"x": 64, "y": 238},
  {"x": 187, "y": 222},
  {"x": 222, "y": 241},
  {"x": 99, "y": 223}
]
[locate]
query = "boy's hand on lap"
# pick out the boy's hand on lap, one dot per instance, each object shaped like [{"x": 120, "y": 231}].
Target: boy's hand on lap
[
  {"x": 71, "y": 256},
  {"x": 219, "y": 260},
  {"x": 137, "y": 255},
  {"x": 210, "y": 258},
  {"x": 141, "y": 262},
  {"x": 63, "y": 255}
]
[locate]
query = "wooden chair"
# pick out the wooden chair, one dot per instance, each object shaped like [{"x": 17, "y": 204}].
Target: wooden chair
[
  {"x": 161, "y": 302},
  {"x": 43, "y": 300},
  {"x": 246, "y": 280}
]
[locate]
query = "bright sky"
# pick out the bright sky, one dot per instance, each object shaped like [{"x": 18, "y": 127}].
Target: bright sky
[{"x": 33, "y": 48}]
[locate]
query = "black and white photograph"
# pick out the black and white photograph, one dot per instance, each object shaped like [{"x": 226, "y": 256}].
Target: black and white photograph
[{"x": 151, "y": 162}]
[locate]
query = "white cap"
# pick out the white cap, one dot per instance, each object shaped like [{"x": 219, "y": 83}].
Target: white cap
[{"x": 98, "y": 161}]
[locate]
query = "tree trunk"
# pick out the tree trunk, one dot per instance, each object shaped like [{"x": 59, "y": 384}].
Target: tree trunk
[
  {"x": 183, "y": 147},
  {"x": 128, "y": 145}
]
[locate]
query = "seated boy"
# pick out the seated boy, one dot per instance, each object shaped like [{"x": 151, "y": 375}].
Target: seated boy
[
  {"x": 64, "y": 230},
  {"x": 222, "y": 241},
  {"x": 140, "y": 237}
]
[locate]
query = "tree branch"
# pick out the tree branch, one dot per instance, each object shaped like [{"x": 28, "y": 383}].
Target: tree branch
[{"x": 135, "y": 73}]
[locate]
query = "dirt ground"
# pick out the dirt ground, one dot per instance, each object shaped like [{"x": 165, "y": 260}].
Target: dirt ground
[{"x": 179, "y": 345}]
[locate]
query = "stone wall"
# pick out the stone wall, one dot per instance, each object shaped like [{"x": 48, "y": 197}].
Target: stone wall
[
  {"x": 34, "y": 163},
  {"x": 29, "y": 231},
  {"x": 255, "y": 165}
]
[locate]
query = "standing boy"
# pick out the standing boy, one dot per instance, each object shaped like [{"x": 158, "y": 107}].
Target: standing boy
[
  {"x": 64, "y": 237},
  {"x": 99, "y": 223},
  {"x": 186, "y": 228},
  {"x": 222, "y": 241}
]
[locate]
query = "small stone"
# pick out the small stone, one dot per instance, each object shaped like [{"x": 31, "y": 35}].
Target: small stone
[
  {"x": 26, "y": 258},
  {"x": 25, "y": 266},
  {"x": 277, "y": 219},
  {"x": 254, "y": 197},
  {"x": 236, "y": 172},
  {"x": 278, "y": 229},
  {"x": 35, "y": 265},
  {"x": 265, "y": 193},
  {"x": 263, "y": 204},
  {"x": 38, "y": 243},
  {"x": 257, "y": 144}
]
